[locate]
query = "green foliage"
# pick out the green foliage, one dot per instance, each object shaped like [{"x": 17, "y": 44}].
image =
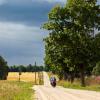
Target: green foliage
[
  {"x": 96, "y": 70},
  {"x": 22, "y": 68},
  {"x": 3, "y": 69},
  {"x": 70, "y": 44}
]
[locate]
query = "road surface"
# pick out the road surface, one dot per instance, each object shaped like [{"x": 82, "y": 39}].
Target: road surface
[{"x": 46, "y": 92}]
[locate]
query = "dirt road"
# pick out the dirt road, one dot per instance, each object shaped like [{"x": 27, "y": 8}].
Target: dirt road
[{"x": 46, "y": 92}]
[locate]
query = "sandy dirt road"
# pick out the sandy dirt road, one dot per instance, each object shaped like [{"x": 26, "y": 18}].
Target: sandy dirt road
[{"x": 46, "y": 92}]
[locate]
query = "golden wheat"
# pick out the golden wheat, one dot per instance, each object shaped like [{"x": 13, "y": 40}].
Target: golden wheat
[{"x": 27, "y": 77}]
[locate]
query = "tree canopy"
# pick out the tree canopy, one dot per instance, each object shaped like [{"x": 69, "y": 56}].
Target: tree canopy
[{"x": 72, "y": 45}]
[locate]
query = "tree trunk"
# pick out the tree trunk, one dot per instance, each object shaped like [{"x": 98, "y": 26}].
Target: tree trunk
[
  {"x": 60, "y": 75},
  {"x": 65, "y": 75},
  {"x": 82, "y": 75},
  {"x": 72, "y": 77}
]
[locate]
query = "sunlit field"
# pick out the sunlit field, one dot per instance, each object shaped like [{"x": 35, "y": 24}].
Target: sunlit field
[
  {"x": 27, "y": 77},
  {"x": 12, "y": 90}
]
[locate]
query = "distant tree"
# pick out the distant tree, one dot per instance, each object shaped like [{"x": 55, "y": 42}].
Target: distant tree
[
  {"x": 29, "y": 68},
  {"x": 96, "y": 70},
  {"x": 13, "y": 68},
  {"x": 3, "y": 69},
  {"x": 22, "y": 68},
  {"x": 41, "y": 68}
]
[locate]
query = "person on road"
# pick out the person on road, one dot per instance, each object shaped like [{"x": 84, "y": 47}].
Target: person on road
[{"x": 53, "y": 81}]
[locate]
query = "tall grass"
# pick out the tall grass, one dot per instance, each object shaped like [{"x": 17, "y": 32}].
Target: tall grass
[
  {"x": 16, "y": 90},
  {"x": 76, "y": 85},
  {"x": 92, "y": 83}
]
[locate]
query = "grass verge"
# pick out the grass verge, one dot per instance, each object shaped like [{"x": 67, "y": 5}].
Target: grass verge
[
  {"x": 10, "y": 90},
  {"x": 91, "y": 83},
  {"x": 67, "y": 84}
]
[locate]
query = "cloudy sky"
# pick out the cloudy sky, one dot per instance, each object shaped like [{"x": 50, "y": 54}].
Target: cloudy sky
[{"x": 21, "y": 39}]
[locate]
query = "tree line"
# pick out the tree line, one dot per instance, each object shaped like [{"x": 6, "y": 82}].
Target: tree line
[
  {"x": 72, "y": 48},
  {"x": 22, "y": 68},
  {"x": 5, "y": 69}
]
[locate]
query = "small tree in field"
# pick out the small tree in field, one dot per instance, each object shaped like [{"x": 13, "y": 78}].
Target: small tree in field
[{"x": 3, "y": 69}]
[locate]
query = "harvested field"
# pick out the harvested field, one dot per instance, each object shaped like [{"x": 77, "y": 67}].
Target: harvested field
[{"x": 27, "y": 77}]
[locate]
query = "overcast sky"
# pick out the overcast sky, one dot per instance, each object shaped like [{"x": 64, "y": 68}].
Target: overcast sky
[{"x": 21, "y": 39}]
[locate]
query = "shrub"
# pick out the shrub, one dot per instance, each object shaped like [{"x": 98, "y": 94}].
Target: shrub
[
  {"x": 3, "y": 69},
  {"x": 96, "y": 70}
]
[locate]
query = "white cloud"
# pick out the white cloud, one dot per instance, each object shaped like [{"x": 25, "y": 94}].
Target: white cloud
[
  {"x": 55, "y": 0},
  {"x": 29, "y": 1},
  {"x": 2, "y": 2},
  {"x": 17, "y": 31},
  {"x": 63, "y": 1},
  {"x": 26, "y": 2}
]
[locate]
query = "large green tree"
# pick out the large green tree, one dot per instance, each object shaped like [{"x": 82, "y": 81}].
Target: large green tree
[
  {"x": 3, "y": 69},
  {"x": 69, "y": 45}
]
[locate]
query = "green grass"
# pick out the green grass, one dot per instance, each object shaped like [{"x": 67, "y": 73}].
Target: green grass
[
  {"x": 91, "y": 84},
  {"x": 76, "y": 85},
  {"x": 16, "y": 90}
]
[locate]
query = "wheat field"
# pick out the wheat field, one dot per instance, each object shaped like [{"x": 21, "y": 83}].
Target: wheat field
[{"x": 27, "y": 77}]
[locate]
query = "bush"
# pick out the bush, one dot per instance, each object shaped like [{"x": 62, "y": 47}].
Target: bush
[
  {"x": 96, "y": 70},
  {"x": 3, "y": 69}
]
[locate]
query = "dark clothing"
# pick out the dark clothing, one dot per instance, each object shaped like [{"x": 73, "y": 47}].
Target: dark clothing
[{"x": 52, "y": 79}]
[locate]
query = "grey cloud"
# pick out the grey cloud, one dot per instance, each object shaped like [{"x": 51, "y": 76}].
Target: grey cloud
[
  {"x": 19, "y": 41},
  {"x": 30, "y": 13}
]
